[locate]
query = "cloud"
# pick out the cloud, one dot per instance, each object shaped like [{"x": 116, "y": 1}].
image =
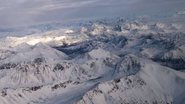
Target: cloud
[
  {"x": 17, "y": 12},
  {"x": 25, "y": 12}
]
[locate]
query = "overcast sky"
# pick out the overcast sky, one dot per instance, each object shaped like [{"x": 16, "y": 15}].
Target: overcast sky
[{"x": 23, "y": 12}]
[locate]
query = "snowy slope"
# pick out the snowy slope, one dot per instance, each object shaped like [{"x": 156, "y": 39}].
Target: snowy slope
[
  {"x": 105, "y": 62},
  {"x": 152, "y": 84}
]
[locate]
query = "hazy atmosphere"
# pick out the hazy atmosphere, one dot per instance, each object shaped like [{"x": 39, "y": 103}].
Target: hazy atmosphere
[{"x": 24, "y": 12}]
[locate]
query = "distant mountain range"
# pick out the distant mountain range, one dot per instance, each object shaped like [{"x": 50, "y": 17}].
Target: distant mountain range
[{"x": 101, "y": 62}]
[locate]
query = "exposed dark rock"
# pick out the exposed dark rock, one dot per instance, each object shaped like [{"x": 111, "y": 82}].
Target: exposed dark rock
[
  {"x": 117, "y": 80},
  {"x": 58, "y": 67},
  {"x": 19, "y": 95},
  {"x": 35, "y": 88},
  {"x": 76, "y": 82},
  {"x": 60, "y": 85},
  {"x": 8, "y": 66},
  {"x": 38, "y": 61},
  {"x": 3, "y": 93}
]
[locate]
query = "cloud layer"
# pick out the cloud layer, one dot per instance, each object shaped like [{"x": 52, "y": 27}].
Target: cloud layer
[{"x": 23, "y": 12}]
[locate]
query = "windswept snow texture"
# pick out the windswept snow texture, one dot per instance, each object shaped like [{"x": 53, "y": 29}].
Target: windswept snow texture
[{"x": 100, "y": 62}]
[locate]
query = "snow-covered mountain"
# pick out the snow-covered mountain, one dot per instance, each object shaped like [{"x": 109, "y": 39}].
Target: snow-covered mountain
[{"x": 104, "y": 62}]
